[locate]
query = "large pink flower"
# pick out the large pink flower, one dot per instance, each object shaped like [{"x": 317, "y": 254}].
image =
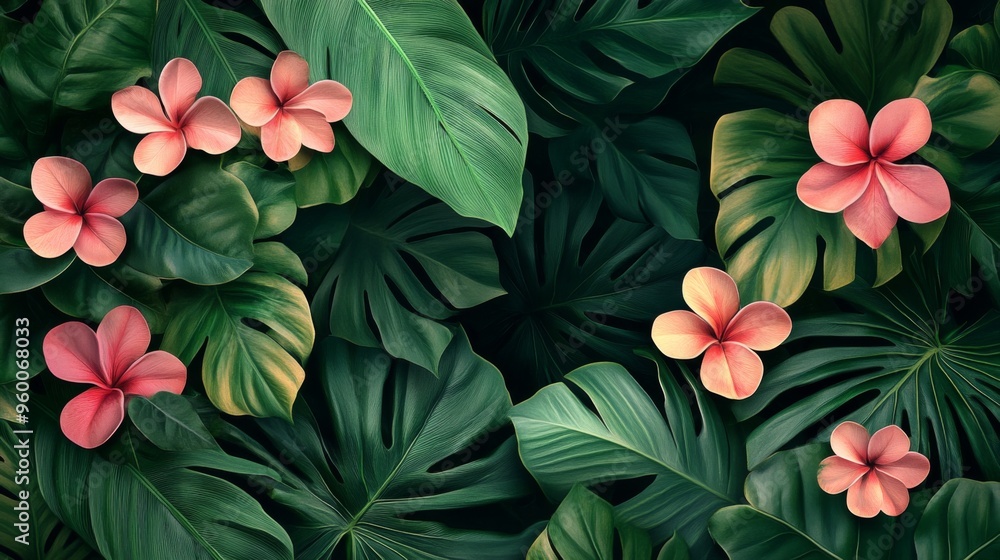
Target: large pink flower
[
  {"x": 77, "y": 215},
  {"x": 115, "y": 360},
  {"x": 730, "y": 335},
  {"x": 876, "y": 472},
  {"x": 290, "y": 112},
  {"x": 858, "y": 175},
  {"x": 206, "y": 124}
]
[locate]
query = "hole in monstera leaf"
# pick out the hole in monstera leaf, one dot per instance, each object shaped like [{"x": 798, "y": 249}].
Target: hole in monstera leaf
[
  {"x": 388, "y": 405},
  {"x": 255, "y": 324},
  {"x": 503, "y": 124},
  {"x": 643, "y": 3},
  {"x": 629, "y": 261},
  {"x": 742, "y": 240},
  {"x": 370, "y": 318},
  {"x": 535, "y": 11},
  {"x": 585, "y": 6},
  {"x": 409, "y": 211},
  {"x": 596, "y": 232},
  {"x": 481, "y": 445},
  {"x": 440, "y": 307},
  {"x": 729, "y": 190},
  {"x": 619, "y": 491}
]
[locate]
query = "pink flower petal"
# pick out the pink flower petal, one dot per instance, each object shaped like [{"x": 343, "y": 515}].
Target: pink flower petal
[
  {"x": 60, "y": 183},
  {"x": 92, "y": 417},
  {"x": 837, "y": 474},
  {"x": 870, "y": 218},
  {"x": 179, "y": 85},
  {"x": 211, "y": 127},
  {"x": 254, "y": 101},
  {"x": 152, "y": 373},
  {"x": 332, "y": 99},
  {"x": 761, "y": 325},
  {"x": 682, "y": 335},
  {"x": 50, "y": 233},
  {"x": 916, "y": 192},
  {"x": 138, "y": 110},
  {"x": 732, "y": 370},
  {"x": 839, "y": 132},
  {"x": 899, "y": 129},
  {"x": 281, "y": 138},
  {"x": 864, "y": 499},
  {"x": 123, "y": 337},
  {"x": 72, "y": 354},
  {"x": 895, "y": 497},
  {"x": 911, "y": 469},
  {"x": 830, "y": 188},
  {"x": 712, "y": 294},
  {"x": 317, "y": 134},
  {"x": 289, "y": 75},
  {"x": 850, "y": 441},
  {"x": 160, "y": 153},
  {"x": 888, "y": 445},
  {"x": 101, "y": 241},
  {"x": 113, "y": 197}
]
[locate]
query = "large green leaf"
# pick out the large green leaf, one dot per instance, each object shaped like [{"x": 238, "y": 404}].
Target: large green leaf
[
  {"x": 96, "y": 140},
  {"x": 145, "y": 504},
  {"x": 337, "y": 176},
  {"x": 246, "y": 370},
  {"x": 979, "y": 45},
  {"x": 75, "y": 55},
  {"x": 580, "y": 288},
  {"x": 224, "y": 44},
  {"x": 273, "y": 193},
  {"x": 899, "y": 358},
  {"x": 696, "y": 461},
  {"x": 391, "y": 450},
  {"x": 90, "y": 292},
  {"x": 41, "y": 536},
  {"x": 961, "y": 521},
  {"x": 429, "y": 100},
  {"x": 170, "y": 422},
  {"x": 584, "y": 528},
  {"x": 31, "y": 270},
  {"x": 645, "y": 169},
  {"x": 789, "y": 516},
  {"x": 404, "y": 264},
  {"x": 769, "y": 238},
  {"x": 589, "y": 52},
  {"x": 198, "y": 225}
]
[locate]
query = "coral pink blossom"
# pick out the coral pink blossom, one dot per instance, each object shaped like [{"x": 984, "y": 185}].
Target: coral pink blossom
[
  {"x": 290, "y": 112},
  {"x": 858, "y": 176},
  {"x": 876, "y": 472},
  {"x": 726, "y": 334},
  {"x": 115, "y": 360},
  {"x": 204, "y": 124},
  {"x": 77, "y": 215}
]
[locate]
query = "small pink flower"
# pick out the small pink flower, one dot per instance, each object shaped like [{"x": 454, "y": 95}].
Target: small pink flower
[
  {"x": 206, "y": 124},
  {"x": 290, "y": 112},
  {"x": 875, "y": 472},
  {"x": 730, "y": 335},
  {"x": 858, "y": 175},
  {"x": 77, "y": 215},
  {"x": 115, "y": 360}
]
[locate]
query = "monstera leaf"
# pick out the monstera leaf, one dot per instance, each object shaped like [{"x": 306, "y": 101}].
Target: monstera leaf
[
  {"x": 580, "y": 288},
  {"x": 429, "y": 100},
  {"x": 790, "y": 517},
  {"x": 246, "y": 370},
  {"x": 403, "y": 264},
  {"x": 961, "y": 521},
  {"x": 185, "y": 511},
  {"x": 768, "y": 236},
  {"x": 198, "y": 225},
  {"x": 391, "y": 448},
  {"x": 589, "y": 52},
  {"x": 695, "y": 460},
  {"x": 584, "y": 528},
  {"x": 75, "y": 55},
  {"x": 901, "y": 359},
  {"x": 225, "y": 45},
  {"x": 43, "y": 535}
]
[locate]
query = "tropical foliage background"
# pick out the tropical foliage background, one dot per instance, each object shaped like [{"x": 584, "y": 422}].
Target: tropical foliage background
[{"x": 434, "y": 341}]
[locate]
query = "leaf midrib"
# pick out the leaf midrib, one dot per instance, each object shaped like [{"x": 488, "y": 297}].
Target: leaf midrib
[
  {"x": 210, "y": 38},
  {"x": 63, "y": 68}
]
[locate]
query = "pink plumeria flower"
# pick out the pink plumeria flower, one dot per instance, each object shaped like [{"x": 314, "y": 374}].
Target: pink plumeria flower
[
  {"x": 858, "y": 176},
  {"x": 115, "y": 360},
  {"x": 206, "y": 124},
  {"x": 726, "y": 334},
  {"x": 290, "y": 112},
  {"x": 876, "y": 472},
  {"x": 77, "y": 215}
]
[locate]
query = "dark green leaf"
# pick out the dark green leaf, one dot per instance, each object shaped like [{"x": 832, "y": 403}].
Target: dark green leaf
[
  {"x": 274, "y": 194},
  {"x": 90, "y": 292},
  {"x": 337, "y": 176},
  {"x": 962, "y": 521},
  {"x": 170, "y": 422}
]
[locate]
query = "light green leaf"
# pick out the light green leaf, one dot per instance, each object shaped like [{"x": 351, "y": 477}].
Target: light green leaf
[
  {"x": 430, "y": 102},
  {"x": 337, "y": 176},
  {"x": 274, "y": 194}
]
